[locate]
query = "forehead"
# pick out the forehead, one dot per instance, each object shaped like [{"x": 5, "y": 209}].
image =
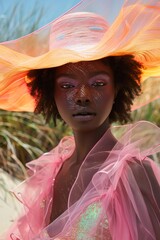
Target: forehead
[{"x": 84, "y": 67}]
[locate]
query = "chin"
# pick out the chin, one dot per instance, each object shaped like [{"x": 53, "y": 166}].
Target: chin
[{"x": 88, "y": 127}]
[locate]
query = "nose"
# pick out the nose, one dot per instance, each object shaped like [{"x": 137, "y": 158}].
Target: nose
[{"x": 83, "y": 96}]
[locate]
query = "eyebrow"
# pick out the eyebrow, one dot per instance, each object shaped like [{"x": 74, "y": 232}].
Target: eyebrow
[
  {"x": 95, "y": 73},
  {"x": 92, "y": 74},
  {"x": 64, "y": 75}
]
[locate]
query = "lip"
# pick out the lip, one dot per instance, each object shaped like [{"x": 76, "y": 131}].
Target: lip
[{"x": 84, "y": 116}]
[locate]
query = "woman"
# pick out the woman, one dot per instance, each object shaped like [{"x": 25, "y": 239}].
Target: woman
[{"x": 94, "y": 185}]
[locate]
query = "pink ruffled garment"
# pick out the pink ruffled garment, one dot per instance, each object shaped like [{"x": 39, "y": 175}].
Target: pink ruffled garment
[{"x": 115, "y": 196}]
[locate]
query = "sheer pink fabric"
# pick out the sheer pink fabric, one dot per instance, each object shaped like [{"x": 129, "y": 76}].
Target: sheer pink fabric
[
  {"x": 115, "y": 196},
  {"x": 80, "y": 36}
]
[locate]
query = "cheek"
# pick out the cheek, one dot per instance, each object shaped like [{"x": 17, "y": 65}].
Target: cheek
[
  {"x": 61, "y": 108},
  {"x": 70, "y": 97},
  {"x": 97, "y": 97},
  {"x": 63, "y": 103},
  {"x": 103, "y": 97}
]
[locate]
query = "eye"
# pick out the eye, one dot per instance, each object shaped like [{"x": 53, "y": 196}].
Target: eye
[
  {"x": 67, "y": 85},
  {"x": 99, "y": 84},
  {"x": 65, "y": 82},
  {"x": 100, "y": 80}
]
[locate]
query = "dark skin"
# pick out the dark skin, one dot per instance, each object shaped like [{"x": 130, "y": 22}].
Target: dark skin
[{"x": 84, "y": 95}]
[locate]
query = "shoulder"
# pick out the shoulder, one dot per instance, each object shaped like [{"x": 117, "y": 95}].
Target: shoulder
[
  {"x": 54, "y": 157},
  {"x": 145, "y": 168},
  {"x": 147, "y": 175}
]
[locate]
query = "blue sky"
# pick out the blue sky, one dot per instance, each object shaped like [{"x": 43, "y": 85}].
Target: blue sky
[{"x": 53, "y": 8}]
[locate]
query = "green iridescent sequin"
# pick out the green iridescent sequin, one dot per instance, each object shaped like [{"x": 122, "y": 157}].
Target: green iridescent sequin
[
  {"x": 92, "y": 224},
  {"x": 88, "y": 221}
]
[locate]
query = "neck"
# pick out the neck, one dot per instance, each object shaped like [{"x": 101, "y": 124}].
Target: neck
[{"x": 85, "y": 141}]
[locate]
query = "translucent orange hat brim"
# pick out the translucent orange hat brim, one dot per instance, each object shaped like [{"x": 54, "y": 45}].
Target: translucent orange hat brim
[{"x": 82, "y": 36}]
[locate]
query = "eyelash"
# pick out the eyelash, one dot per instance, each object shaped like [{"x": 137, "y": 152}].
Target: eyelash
[
  {"x": 95, "y": 84},
  {"x": 99, "y": 84},
  {"x": 67, "y": 85}
]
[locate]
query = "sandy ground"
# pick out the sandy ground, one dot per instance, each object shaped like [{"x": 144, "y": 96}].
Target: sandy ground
[{"x": 9, "y": 205}]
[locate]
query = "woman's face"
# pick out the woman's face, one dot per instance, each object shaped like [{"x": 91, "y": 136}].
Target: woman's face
[{"x": 84, "y": 94}]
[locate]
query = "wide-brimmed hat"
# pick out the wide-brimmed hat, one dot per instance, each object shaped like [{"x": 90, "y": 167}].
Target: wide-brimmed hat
[{"x": 83, "y": 35}]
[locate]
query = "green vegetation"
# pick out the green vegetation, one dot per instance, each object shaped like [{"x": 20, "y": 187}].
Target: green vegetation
[
  {"x": 150, "y": 112},
  {"x": 24, "y": 137}
]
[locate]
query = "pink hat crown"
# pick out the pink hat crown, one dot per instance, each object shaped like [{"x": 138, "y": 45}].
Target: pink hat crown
[{"x": 76, "y": 31}]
